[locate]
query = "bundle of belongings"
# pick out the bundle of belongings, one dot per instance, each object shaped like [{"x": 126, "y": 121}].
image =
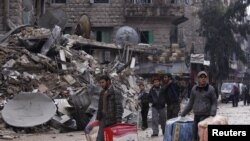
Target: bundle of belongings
[{"x": 203, "y": 125}]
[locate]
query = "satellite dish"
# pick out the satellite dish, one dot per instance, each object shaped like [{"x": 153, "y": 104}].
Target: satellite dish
[
  {"x": 83, "y": 27},
  {"x": 126, "y": 36},
  {"x": 53, "y": 17},
  {"x": 28, "y": 110}
]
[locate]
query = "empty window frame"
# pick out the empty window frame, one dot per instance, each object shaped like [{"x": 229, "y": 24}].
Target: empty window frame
[
  {"x": 58, "y": 1},
  {"x": 146, "y": 37},
  {"x": 101, "y": 1},
  {"x": 103, "y": 34}
]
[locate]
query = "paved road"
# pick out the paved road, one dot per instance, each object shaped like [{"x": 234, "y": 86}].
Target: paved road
[{"x": 236, "y": 115}]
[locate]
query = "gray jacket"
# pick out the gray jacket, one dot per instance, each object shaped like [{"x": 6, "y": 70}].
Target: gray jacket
[{"x": 203, "y": 101}]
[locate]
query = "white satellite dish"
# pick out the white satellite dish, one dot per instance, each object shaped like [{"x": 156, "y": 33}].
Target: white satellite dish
[
  {"x": 28, "y": 110},
  {"x": 126, "y": 36}
]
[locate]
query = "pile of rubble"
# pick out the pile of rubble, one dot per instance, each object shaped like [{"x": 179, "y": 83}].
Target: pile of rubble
[
  {"x": 38, "y": 60},
  {"x": 173, "y": 54}
]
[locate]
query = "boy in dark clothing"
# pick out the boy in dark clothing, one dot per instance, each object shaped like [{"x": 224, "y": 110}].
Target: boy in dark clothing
[
  {"x": 144, "y": 102},
  {"x": 157, "y": 98}
]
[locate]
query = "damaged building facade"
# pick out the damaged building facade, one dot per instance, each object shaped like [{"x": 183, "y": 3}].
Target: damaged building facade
[
  {"x": 10, "y": 13},
  {"x": 106, "y": 16},
  {"x": 64, "y": 66},
  {"x": 156, "y": 22}
]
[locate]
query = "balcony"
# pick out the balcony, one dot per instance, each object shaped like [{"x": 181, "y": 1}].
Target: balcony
[{"x": 158, "y": 9}]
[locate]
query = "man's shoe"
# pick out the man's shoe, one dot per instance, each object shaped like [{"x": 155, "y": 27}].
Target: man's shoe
[{"x": 154, "y": 135}]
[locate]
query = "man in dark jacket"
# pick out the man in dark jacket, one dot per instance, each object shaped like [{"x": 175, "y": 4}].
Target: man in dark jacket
[
  {"x": 110, "y": 107},
  {"x": 172, "y": 94},
  {"x": 203, "y": 101},
  {"x": 235, "y": 96},
  {"x": 158, "y": 107},
  {"x": 245, "y": 93},
  {"x": 143, "y": 97}
]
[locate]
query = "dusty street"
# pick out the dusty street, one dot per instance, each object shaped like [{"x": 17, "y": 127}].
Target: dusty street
[{"x": 238, "y": 115}]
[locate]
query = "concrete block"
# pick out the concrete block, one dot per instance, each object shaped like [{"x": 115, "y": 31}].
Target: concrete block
[{"x": 69, "y": 79}]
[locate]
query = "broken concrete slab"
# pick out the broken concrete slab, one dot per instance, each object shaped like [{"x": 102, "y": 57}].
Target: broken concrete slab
[
  {"x": 24, "y": 59},
  {"x": 61, "y": 119},
  {"x": 62, "y": 105},
  {"x": 69, "y": 79},
  {"x": 55, "y": 36},
  {"x": 9, "y": 64},
  {"x": 63, "y": 58},
  {"x": 7, "y": 137},
  {"x": 42, "y": 88}
]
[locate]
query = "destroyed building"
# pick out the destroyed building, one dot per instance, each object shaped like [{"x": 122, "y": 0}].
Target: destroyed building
[{"x": 48, "y": 60}]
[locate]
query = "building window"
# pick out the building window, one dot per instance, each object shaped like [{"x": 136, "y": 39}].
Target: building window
[
  {"x": 103, "y": 34},
  {"x": 58, "y": 1},
  {"x": 174, "y": 35},
  {"x": 68, "y": 30},
  {"x": 173, "y": 1},
  {"x": 146, "y": 37},
  {"x": 101, "y": 1},
  {"x": 141, "y": 1}
]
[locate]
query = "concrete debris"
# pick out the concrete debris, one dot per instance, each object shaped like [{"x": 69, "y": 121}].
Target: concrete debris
[
  {"x": 9, "y": 64},
  {"x": 60, "y": 67},
  {"x": 32, "y": 33},
  {"x": 54, "y": 37},
  {"x": 69, "y": 79},
  {"x": 63, "y": 58},
  {"x": 6, "y": 137},
  {"x": 42, "y": 88}
]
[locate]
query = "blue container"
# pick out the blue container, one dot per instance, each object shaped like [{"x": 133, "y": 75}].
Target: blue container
[{"x": 178, "y": 130}]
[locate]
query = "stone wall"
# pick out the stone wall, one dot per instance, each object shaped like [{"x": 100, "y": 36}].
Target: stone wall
[
  {"x": 160, "y": 28},
  {"x": 189, "y": 29},
  {"x": 1, "y": 18},
  {"x": 101, "y": 14},
  {"x": 15, "y": 13}
]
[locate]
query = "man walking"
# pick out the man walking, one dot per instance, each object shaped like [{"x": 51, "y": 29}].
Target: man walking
[
  {"x": 157, "y": 98},
  {"x": 203, "y": 101},
  {"x": 235, "y": 97},
  {"x": 110, "y": 107},
  {"x": 172, "y": 95}
]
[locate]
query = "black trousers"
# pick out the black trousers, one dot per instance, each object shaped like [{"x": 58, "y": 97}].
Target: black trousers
[
  {"x": 246, "y": 99},
  {"x": 197, "y": 119},
  {"x": 173, "y": 110},
  {"x": 144, "y": 114},
  {"x": 235, "y": 100}
]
